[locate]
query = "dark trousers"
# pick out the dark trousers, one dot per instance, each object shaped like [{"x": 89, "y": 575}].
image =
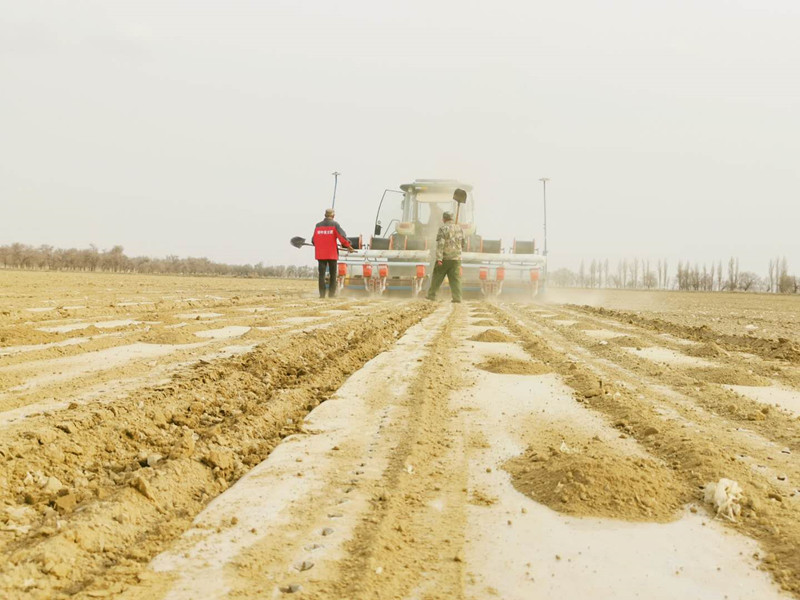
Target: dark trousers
[
  {"x": 452, "y": 269},
  {"x": 330, "y": 266}
]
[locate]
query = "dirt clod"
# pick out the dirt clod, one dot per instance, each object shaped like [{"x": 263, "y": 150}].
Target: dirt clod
[
  {"x": 597, "y": 481},
  {"x": 490, "y": 335},
  {"x": 511, "y": 366}
]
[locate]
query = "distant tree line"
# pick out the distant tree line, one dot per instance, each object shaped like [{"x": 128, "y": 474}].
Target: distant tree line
[
  {"x": 636, "y": 273},
  {"x": 48, "y": 258}
]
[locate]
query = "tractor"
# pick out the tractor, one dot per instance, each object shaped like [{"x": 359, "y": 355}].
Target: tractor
[{"x": 400, "y": 255}]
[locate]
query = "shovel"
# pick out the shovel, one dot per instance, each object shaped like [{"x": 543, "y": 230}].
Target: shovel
[
  {"x": 460, "y": 196},
  {"x": 299, "y": 242}
]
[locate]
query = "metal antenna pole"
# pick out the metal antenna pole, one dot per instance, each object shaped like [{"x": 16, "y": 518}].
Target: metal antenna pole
[
  {"x": 544, "y": 181},
  {"x": 335, "y": 182}
]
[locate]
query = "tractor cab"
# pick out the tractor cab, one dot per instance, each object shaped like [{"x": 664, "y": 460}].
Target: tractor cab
[{"x": 424, "y": 202}]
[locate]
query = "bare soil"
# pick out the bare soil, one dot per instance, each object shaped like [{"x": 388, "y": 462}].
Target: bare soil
[
  {"x": 179, "y": 437},
  {"x": 575, "y": 479},
  {"x": 500, "y": 364},
  {"x": 491, "y": 335}
]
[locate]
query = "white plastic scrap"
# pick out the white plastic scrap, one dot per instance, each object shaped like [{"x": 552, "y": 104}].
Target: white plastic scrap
[{"x": 725, "y": 496}]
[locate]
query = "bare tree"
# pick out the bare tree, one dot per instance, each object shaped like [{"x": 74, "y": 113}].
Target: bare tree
[
  {"x": 786, "y": 283},
  {"x": 733, "y": 274},
  {"x": 20, "y": 256},
  {"x": 749, "y": 280},
  {"x": 563, "y": 278},
  {"x": 771, "y": 276},
  {"x": 649, "y": 280},
  {"x": 633, "y": 271},
  {"x": 639, "y": 273},
  {"x": 658, "y": 268}
]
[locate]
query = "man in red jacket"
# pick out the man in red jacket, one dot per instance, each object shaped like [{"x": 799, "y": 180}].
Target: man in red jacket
[{"x": 326, "y": 250}]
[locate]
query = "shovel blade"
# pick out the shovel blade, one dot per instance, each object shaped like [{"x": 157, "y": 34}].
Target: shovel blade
[{"x": 297, "y": 241}]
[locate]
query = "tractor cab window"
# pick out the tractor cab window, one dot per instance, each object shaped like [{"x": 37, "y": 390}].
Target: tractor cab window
[
  {"x": 425, "y": 207},
  {"x": 431, "y": 212}
]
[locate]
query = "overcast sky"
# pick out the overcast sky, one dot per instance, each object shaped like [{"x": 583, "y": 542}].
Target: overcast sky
[{"x": 669, "y": 129}]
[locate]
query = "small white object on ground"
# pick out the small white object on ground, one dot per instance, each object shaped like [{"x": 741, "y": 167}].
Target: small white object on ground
[{"x": 724, "y": 495}]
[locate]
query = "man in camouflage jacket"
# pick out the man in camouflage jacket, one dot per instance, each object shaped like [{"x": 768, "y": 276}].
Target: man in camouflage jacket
[{"x": 449, "y": 244}]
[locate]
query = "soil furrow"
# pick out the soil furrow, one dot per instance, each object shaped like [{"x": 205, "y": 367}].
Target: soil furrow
[
  {"x": 99, "y": 489},
  {"x": 750, "y": 369},
  {"x": 697, "y": 448},
  {"x": 781, "y": 349},
  {"x": 403, "y": 544},
  {"x": 181, "y": 348},
  {"x": 162, "y": 326},
  {"x": 701, "y": 385}
]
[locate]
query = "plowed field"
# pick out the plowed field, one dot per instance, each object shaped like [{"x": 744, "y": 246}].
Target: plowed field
[{"x": 182, "y": 438}]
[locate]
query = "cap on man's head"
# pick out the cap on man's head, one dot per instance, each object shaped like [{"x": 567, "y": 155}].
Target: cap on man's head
[
  {"x": 329, "y": 212},
  {"x": 447, "y": 216}
]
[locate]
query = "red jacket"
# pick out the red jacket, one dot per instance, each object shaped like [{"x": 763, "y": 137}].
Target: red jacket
[{"x": 326, "y": 234}]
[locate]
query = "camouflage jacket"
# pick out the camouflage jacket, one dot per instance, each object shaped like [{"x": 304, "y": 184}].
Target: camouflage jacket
[{"x": 449, "y": 242}]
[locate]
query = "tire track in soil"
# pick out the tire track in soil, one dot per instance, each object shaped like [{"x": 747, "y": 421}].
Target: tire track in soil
[
  {"x": 698, "y": 446},
  {"x": 697, "y": 384},
  {"x": 107, "y": 512},
  {"x": 405, "y": 547}
]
